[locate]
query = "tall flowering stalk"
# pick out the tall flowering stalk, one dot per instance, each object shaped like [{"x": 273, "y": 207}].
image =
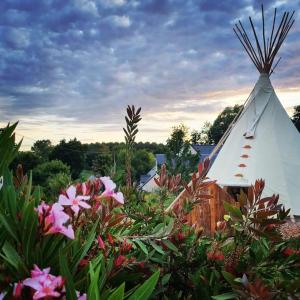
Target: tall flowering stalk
[{"x": 131, "y": 130}]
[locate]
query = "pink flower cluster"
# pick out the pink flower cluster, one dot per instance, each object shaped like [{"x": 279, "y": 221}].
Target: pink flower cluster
[
  {"x": 53, "y": 219},
  {"x": 75, "y": 202},
  {"x": 44, "y": 284},
  {"x": 109, "y": 191}
]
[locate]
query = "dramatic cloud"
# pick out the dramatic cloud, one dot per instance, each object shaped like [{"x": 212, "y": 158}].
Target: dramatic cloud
[{"x": 69, "y": 68}]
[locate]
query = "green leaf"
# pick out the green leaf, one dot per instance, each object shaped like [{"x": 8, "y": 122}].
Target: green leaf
[
  {"x": 145, "y": 290},
  {"x": 118, "y": 294},
  {"x": 225, "y": 296},
  {"x": 170, "y": 245},
  {"x": 65, "y": 273},
  {"x": 93, "y": 290},
  {"x": 228, "y": 277},
  {"x": 11, "y": 256},
  {"x": 29, "y": 228},
  {"x": 234, "y": 211},
  {"x": 142, "y": 246},
  {"x": 81, "y": 253},
  {"x": 165, "y": 279},
  {"x": 8, "y": 226},
  {"x": 157, "y": 247}
]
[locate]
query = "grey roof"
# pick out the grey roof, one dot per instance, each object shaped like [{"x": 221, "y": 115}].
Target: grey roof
[
  {"x": 203, "y": 149},
  {"x": 144, "y": 179},
  {"x": 161, "y": 159}
]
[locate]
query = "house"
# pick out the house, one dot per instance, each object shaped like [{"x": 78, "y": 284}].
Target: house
[{"x": 147, "y": 182}]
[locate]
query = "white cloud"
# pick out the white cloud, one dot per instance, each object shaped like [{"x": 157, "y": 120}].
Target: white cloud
[
  {"x": 121, "y": 21},
  {"x": 112, "y": 3},
  {"x": 88, "y": 6}
]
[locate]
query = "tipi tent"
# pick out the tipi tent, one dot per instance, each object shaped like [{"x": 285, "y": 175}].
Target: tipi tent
[{"x": 263, "y": 142}]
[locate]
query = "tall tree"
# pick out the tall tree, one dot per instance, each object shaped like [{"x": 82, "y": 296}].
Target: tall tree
[
  {"x": 42, "y": 148},
  {"x": 296, "y": 117},
  {"x": 102, "y": 164},
  {"x": 179, "y": 156},
  {"x": 201, "y": 136},
  {"x": 70, "y": 153},
  {"x": 179, "y": 136},
  {"x": 221, "y": 123}
]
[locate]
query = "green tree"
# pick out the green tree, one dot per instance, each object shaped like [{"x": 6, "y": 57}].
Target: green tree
[
  {"x": 102, "y": 164},
  {"x": 70, "y": 153},
  {"x": 29, "y": 160},
  {"x": 221, "y": 123},
  {"x": 52, "y": 176},
  {"x": 42, "y": 148},
  {"x": 179, "y": 156},
  {"x": 179, "y": 136},
  {"x": 142, "y": 162},
  {"x": 296, "y": 117},
  {"x": 201, "y": 136}
]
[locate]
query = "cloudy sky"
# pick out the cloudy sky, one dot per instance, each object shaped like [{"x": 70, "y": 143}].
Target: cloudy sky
[{"x": 68, "y": 68}]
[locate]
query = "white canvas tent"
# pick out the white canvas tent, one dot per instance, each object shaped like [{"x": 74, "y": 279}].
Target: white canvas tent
[{"x": 263, "y": 142}]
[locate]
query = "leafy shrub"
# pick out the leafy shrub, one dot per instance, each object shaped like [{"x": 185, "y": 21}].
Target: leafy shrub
[
  {"x": 52, "y": 176},
  {"x": 91, "y": 243}
]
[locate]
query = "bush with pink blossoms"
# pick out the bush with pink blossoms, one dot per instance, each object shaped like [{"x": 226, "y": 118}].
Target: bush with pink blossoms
[{"x": 99, "y": 242}]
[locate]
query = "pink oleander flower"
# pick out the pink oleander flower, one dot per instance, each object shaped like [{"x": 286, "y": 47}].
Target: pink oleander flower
[
  {"x": 110, "y": 190},
  {"x": 54, "y": 222},
  {"x": 74, "y": 201},
  {"x": 42, "y": 210},
  {"x": 44, "y": 284},
  {"x": 82, "y": 297},
  {"x": 2, "y": 295}
]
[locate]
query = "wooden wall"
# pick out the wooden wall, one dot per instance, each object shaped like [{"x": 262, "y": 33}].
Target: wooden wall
[{"x": 208, "y": 212}]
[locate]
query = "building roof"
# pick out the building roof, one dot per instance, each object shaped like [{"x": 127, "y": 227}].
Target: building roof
[
  {"x": 161, "y": 159},
  {"x": 144, "y": 179},
  {"x": 203, "y": 149}
]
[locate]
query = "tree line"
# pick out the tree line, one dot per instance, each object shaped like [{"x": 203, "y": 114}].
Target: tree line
[{"x": 54, "y": 166}]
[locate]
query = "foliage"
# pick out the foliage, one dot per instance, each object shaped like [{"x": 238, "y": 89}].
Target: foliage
[
  {"x": 132, "y": 119},
  {"x": 42, "y": 256},
  {"x": 296, "y": 117},
  {"x": 102, "y": 164},
  {"x": 179, "y": 156},
  {"x": 91, "y": 243},
  {"x": 42, "y": 148},
  {"x": 141, "y": 163},
  {"x": 221, "y": 123},
  {"x": 28, "y": 160},
  {"x": 52, "y": 176},
  {"x": 72, "y": 154},
  {"x": 8, "y": 147},
  {"x": 201, "y": 137}
]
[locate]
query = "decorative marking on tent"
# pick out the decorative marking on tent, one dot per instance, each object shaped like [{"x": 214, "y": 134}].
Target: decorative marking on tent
[
  {"x": 247, "y": 147},
  {"x": 239, "y": 175},
  {"x": 242, "y": 166},
  {"x": 245, "y": 156}
]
